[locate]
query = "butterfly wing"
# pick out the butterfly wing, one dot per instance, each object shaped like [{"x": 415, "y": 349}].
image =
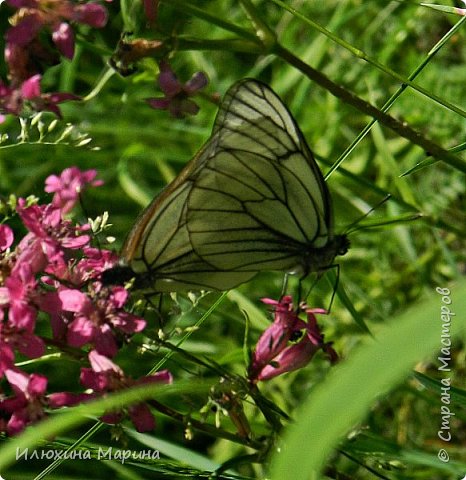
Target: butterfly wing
[
  {"x": 252, "y": 199},
  {"x": 260, "y": 201},
  {"x": 158, "y": 248}
]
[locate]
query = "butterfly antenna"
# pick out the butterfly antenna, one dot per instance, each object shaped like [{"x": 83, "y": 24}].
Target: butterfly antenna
[{"x": 350, "y": 229}]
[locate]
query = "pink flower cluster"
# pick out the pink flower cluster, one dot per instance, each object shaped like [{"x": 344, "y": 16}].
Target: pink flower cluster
[
  {"x": 53, "y": 273},
  {"x": 289, "y": 343},
  {"x": 53, "y": 15},
  {"x": 28, "y": 96},
  {"x": 27, "y": 54}
]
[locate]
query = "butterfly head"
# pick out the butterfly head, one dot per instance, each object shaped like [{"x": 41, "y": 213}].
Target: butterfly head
[
  {"x": 342, "y": 244},
  {"x": 117, "y": 275},
  {"x": 321, "y": 258}
]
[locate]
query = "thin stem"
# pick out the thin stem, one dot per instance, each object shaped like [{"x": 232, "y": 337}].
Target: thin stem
[
  {"x": 204, "y": 317},
  {"x": 264, "y": 33},
  {"x": 350, "y": 98},
  {"x": 363, "y": 56},
  {"x": 230, "y": 44},
  {"x": 203, "y": 427},
  {"x": 82, "y": 439},
  {"x": 189, "y": 8},
  {"x": 105, "y": 77},
  {"x": 435, "y": 49}
]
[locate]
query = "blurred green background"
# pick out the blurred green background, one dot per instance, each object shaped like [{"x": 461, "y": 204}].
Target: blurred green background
[{"x": 138, "y": 150}]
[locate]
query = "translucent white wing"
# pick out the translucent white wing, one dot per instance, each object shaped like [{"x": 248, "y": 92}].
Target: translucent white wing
[
  {"x": 159, "y": 252},
  {"x": 259, "y": 202},
  {"x": 252, "y": 199}
]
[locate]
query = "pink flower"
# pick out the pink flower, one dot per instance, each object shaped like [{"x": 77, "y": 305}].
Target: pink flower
[
  {"x": 176, "y": 99},
  {"x": 54, "y": 15},
  {"x": 89, "y": 267},
  {"x": 106, "y": 376},
  {"x": 49, "y": 237},
  {"x": 28, "y": 95},
  {"x": 17, "y": 295},
  {"x": 289, "y": 343},
  {"x": 22, "y": 340},
  {"x": 26, "y": 407},
  {"x": 29, "y": 403},
  {"x": 69, "y": 185},
  {"x": 276, "y": 337},
  {"x": 95, "y": 321},
  {"x": 17, "y": 330},
  {"x": 7, "y": 355},
  {"x": 53, "y": 270},
  {"x": 96, "y": 261},
  {"x": 6, "y": 237}
]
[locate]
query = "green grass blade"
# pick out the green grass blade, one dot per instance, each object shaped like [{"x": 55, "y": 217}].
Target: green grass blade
[{"x": 348, "y": 393}]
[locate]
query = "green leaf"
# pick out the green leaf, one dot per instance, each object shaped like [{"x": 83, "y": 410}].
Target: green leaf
[
  {"x": 75, "y": 416},
  {"x": 445, "y": 8},
  {"x": 342, "y": 401}
]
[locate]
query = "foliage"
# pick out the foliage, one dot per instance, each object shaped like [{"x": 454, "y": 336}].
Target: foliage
[{"x": 377, "y": 88}]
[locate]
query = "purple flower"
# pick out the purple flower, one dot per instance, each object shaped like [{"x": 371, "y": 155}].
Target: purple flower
[
  {"x": 25, "y": 62},
  {"x": 91, "y": 14},
  {"x": 54, "y": 15},
  {"x": 289, "y": 343},
  {"x": 176, "y": 99},
  {"x": 11, "y": 100},
  {"x": 29, "y": 403},
  {"x": 63, "y": 38},
  {"x": 25, "y": 29},
  {"x": 17, "y": 101},
  {"x": 105, "y": 376}
]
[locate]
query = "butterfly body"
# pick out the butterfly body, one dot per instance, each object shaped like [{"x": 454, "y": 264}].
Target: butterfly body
[{"x": 253, "y": 199}]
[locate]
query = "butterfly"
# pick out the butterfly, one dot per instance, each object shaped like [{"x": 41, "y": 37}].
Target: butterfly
[{"x": 252, "y": 199}]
